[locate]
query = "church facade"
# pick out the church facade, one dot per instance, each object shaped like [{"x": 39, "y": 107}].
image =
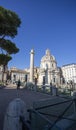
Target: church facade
[{"x": 49, "y": 73}]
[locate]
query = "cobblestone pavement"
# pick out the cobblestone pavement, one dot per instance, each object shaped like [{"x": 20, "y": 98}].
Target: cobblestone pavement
[{"x": 7, "y": 95}]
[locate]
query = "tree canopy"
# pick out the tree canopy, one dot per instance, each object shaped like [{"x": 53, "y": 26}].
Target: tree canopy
[{"x": 9, "y": 23}]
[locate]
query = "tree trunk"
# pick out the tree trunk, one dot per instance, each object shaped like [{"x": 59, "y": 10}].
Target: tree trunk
[{"x": 4, "y": 69}]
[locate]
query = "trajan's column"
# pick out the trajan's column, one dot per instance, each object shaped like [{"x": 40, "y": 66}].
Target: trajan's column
[{"x": 32, "y": 66}]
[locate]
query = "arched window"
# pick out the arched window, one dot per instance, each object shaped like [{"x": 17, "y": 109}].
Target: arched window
[{"x": 52, "y": 65}]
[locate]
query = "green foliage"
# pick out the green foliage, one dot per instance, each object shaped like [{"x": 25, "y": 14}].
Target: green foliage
[
  {"x": 4, "y": 59},
  {"x": 8, "y": 46},
  {"x": 9, "y": 23}
]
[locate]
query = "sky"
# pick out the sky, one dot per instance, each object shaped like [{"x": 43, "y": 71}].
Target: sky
[{"x": 45, "y": 24}]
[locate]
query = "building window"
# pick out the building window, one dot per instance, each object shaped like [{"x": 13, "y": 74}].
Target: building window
[
  {"x": 43, "y": 80},
  {"x": 54, "y": 80},
  {"x": 26, "y": 78},
  {"x": 52, "y": 65}
]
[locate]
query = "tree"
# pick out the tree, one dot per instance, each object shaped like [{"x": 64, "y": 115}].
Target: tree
[{"x": 9, "y": 23}]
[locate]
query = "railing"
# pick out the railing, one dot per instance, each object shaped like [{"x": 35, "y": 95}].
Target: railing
[
  {"x": 25, "y": 123},
  {"x": 41, "y": 117}
]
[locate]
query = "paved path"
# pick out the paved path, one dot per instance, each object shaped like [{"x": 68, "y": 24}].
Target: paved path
[{"x": 7, "y": 95}]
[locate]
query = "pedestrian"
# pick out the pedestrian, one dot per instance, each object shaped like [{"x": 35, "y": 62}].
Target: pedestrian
[{"x": 18, "y": 84}]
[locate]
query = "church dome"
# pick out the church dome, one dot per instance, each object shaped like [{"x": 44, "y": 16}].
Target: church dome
[
  {"x": 48, "y": 56},
  {"x": 48, "y": 52},
  {"x": 53, "y": 57}
]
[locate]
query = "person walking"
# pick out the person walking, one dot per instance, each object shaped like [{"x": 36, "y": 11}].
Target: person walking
[{"x": 18, "y": 84}]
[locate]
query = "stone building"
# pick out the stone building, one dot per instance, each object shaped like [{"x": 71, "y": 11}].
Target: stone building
[
  {"x": 24, "y": 75},
  {"x": 16, "y": 74},
  {"x": 49, "y": 73},
  {"x": 3, "y": 73},
  {"x": 69, "y": 72}
]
